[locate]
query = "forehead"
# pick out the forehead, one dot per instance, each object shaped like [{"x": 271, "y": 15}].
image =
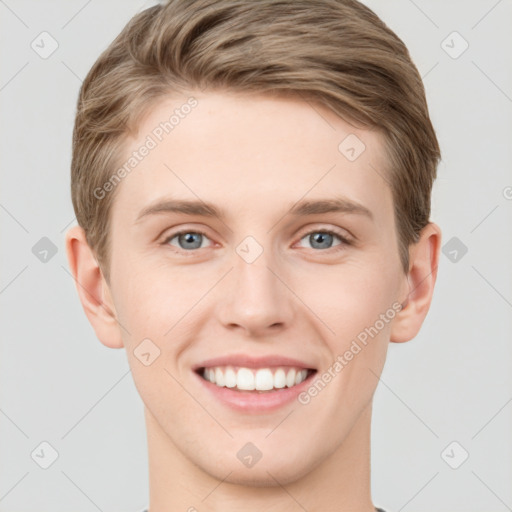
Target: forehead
[{"x": 250, "y": 152}]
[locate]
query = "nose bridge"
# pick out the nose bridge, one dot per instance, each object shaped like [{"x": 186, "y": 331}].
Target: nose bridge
[{"x": 257, "y": 299}]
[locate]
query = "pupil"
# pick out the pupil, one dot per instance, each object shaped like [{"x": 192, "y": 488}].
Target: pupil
[
  {"x": 320, "y": 237},
  {"x": 189, "y": 239}
]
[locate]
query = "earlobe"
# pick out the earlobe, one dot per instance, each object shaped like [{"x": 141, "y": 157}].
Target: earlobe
[
  {"x": 421, "y": 278},
  {"x": 92, "y": 288}
]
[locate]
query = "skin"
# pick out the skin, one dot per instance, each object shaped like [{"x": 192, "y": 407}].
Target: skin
[{"x": 255, "y": 156}]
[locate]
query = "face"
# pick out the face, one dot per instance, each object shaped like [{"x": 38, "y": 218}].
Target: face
[{"x": 249, "y": 243}]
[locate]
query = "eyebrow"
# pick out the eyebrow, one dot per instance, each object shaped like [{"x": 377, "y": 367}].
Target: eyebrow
[
  {"x": 339, "y": 204},
  {"x": 301, "y": 208},
  {"x": 180, "y": 206}
]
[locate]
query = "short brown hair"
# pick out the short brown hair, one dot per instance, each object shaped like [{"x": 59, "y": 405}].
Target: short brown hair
[{"x": 335, "y": 52}]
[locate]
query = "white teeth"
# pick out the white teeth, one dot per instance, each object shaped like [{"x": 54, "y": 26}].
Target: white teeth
[
  {"x": 245, "y": 379},
  {"x": 290, "y": 378},
  {"x": 279, "y": 379},
  {"x": 219, "y": 377},
  {"x": 263, "y": 379},
  {"x": 300, "y": 376},
  {"x": 230, "y": 378}
]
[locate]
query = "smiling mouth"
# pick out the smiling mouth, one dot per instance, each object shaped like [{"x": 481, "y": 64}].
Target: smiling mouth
[{"x": 252, "y": 380}]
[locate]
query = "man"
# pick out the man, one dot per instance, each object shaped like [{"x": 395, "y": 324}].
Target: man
[{"x": 252, "y": 186}]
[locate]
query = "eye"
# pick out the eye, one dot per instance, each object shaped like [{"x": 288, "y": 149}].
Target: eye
[
  {"x": 323, "y": 239},
  {"x": 187, "y": 240}
]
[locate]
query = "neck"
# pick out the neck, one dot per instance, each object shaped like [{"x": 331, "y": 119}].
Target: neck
[{"x": 341, "y": 482}]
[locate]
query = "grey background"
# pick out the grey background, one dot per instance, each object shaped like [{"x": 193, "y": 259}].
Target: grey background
[{"x": 59, "y": 385}]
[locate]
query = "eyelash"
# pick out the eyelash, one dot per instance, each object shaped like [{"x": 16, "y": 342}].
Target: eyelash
[{"x": 344, "y": 241}]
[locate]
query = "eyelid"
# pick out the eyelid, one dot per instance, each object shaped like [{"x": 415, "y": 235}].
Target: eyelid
[
  {"x": 183, "y": 231},
  {"x": 344, "y": 235}
]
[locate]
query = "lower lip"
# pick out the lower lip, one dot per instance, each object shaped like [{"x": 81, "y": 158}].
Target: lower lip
[{"x": 252, "y": 401}]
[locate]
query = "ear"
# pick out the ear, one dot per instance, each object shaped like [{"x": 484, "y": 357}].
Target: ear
[
  {"x": 421, "y": 278},
  {"x": 93, "y": 290}
]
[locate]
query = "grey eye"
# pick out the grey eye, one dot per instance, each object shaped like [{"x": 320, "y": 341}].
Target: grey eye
[
  {"x": 321, "y": 239},
  {"x": 188, "y": 240}
]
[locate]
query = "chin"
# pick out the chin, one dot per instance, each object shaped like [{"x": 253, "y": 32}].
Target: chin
[{"x": 268, "y": 474}]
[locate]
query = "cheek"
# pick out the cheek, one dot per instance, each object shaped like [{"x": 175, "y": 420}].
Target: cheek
[
  {"x": 351, "y": 304},
  {"x": 152, "y": 298},
  {"x": 347, "y": 299}
]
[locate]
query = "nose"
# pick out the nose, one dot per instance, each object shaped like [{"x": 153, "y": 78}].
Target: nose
[{"x": 255, "y": 298}]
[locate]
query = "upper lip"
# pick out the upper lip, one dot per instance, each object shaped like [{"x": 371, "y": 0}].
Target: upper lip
[{"x": 248, "y": 361}]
